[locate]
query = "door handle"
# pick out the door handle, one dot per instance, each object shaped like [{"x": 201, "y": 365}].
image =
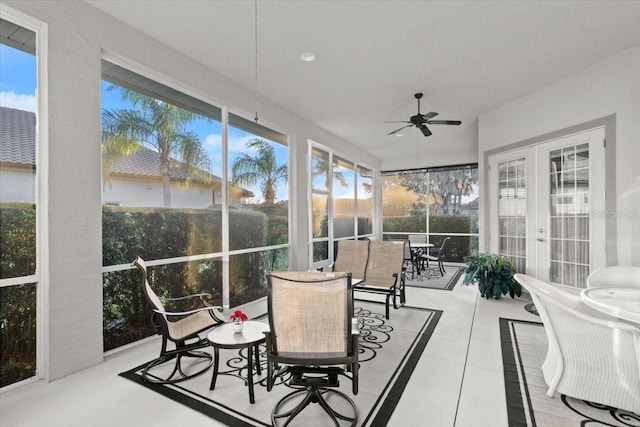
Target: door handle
[{"x": 540, "y": 239}]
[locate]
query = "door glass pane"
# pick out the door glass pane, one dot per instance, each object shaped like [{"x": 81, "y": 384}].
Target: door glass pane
[
  {"x": 569, "y": 215},
  {"x": 512, "y": 209}
]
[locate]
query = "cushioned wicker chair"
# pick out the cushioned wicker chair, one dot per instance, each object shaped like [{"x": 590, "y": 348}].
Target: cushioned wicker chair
[
  {"x": 615, "y": 277},
  {"x": 313, "y": 340},
  {"x": 183, "y": 329},
  {"x": 591, "y": 356}
]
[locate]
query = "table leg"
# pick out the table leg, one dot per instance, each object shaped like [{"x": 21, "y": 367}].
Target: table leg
[
  {"x": 216, "y": 358},
  {"x": 257, "y": 356},
  {"x": 250, "y": 375}
]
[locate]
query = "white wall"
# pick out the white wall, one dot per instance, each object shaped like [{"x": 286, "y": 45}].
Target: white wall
[
  {"x": 17, "y": 185},
  {"x": 611, "y": 87},
  {"x": 78, "y": 36},
  {"x": 145, "y": 193}
]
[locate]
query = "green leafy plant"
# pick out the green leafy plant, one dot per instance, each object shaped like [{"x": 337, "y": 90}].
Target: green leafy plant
[{"x": 494, "y": 275}]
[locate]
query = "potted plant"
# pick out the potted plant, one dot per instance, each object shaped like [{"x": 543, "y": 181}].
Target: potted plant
[
  {"x": 494, "y": 275},
  {"x": 238, "y": 318}
]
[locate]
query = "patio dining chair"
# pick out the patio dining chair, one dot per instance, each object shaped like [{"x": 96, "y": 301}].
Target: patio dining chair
[
  {"x": 183, "y": 329},
  {"x": 436, "y": 255},
  {"x": 351, "y": 257},
  {"x": 312, "y": 342},
  {"x": 384, "y": 274}
]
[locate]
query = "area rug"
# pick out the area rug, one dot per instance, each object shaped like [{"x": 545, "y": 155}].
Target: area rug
[
  {"x": 389, "y": 351},
  {"x": 431, "y": 279},
  {"x": 524, "y": 347}
]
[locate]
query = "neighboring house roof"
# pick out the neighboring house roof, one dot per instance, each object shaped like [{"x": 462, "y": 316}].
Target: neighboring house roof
[
  {"x": 17, "y": 147},
  {"x": 17, "y": 137}
]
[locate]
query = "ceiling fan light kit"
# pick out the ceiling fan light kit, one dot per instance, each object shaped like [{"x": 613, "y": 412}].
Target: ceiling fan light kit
[{"x": 422, "y": 120}]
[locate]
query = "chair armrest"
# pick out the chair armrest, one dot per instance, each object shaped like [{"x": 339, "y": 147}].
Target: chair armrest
[
  {"x": 212, "y": 309},
  {"x": 355, "y": 330},
  {"x": 206, "y": 295}
]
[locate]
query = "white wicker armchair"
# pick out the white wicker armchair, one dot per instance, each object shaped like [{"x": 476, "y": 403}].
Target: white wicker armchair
[
  {"x": 616, "y": 277},
  {"x": 591, "y": 356}
]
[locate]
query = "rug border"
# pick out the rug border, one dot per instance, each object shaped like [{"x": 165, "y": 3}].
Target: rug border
[
  {"x": 449, "y": 286},
  {"x": 391, "y": 392},
  {"x": 516, "y": 415}
]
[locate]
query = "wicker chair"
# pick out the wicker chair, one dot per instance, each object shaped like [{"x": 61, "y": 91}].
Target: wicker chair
[
  {"x": 615, "y": 277},
  {"x": 591, "y": 356},
  {"x": 384, "y": 273},
  {"x": 179, "y": 328},
  {"x": 313, "y": 340}
]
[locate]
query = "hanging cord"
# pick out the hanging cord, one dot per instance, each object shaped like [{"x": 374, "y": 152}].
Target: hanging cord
[{"x": 256, "y": 56}]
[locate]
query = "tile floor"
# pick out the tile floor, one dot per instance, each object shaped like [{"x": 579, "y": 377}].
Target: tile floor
[{"x": 458, "y": 382}]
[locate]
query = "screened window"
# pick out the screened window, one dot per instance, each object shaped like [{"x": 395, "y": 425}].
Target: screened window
[
  {"x": 259, "y": 196},
  {"x": 165, "y": 199},
  {"x": 341, "y": 202},
  {"x": 18, "y": 206},
  {"x": 437, "y": 202}
]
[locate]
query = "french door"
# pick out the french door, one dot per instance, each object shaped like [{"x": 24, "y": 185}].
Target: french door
[{"x": 542, "y": 200}]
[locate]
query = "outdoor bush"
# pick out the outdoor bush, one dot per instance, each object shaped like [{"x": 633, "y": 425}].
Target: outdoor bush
[{"x": 457, "y": 248}]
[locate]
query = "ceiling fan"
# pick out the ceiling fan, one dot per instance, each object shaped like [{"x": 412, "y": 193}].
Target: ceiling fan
[{"x": 422, "y": 120}]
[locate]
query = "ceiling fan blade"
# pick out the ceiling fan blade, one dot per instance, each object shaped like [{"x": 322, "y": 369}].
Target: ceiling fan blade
[
  {"x": 425, "y": 130},
  {"x": 430, "y": 115},
  {"x": 444, "y": 122},
  {"x": 398, "y": 130},
  {"x": 398, "y": 121}
]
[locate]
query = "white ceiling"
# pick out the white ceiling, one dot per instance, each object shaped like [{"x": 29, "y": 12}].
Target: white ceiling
[{"x": 467, "y": 57}]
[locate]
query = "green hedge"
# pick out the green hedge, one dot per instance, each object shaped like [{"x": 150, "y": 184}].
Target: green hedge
[
  {"x": 17, "y": 239},
  {"x": 152, "y": 233},
  {"x": 457, "y": 248}
]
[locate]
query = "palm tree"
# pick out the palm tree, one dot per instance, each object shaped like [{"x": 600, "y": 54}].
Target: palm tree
[
  {"x": 262, "y": 170},
  {"x": 464, "y": 185},
  {"x": 321, "y": 168},
  {"x": 159, "y": 125}
]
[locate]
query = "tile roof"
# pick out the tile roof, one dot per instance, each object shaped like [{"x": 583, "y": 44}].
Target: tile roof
[
  {"x": 17, "y": 146},
  {"x": 17, "y": 136}
]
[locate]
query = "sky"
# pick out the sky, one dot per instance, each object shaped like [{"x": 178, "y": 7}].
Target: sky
[{"x": 18, "y": 86}]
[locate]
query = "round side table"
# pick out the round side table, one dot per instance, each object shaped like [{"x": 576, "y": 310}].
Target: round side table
[{"x": 224, "y": 337}]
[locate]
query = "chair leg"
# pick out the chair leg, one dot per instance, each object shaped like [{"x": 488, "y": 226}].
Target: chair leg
[
  {"x": 177, "y": 374},
  {"x": 313, "y": 395}
]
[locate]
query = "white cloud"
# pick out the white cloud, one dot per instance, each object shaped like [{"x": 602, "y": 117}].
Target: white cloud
[
  {"x": 239, "y": 144},
  {"x": 212, "y": 142},
  {"x": 18, "y": 101}
]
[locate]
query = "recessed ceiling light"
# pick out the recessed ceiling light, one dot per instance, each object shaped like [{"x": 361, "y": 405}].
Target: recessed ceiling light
[
  {"x": 308, "y": 57},
  {"x": 398, "y": 134}
]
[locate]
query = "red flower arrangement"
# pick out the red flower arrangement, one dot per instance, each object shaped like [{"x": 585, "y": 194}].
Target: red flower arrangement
[{"x": 238, "y": 316}]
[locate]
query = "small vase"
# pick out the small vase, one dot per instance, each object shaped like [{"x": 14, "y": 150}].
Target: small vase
[{"x": 237, "y": 327}]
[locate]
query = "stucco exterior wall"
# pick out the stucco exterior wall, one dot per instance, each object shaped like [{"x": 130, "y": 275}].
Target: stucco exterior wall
[{"x": 17, "y": 185}]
